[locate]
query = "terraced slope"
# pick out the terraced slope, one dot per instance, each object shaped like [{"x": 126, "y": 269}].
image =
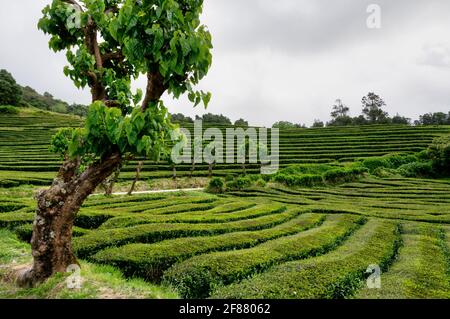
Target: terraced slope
[
  {"x": 272, "y": 242},
  {"x": 25, "y": 159}
]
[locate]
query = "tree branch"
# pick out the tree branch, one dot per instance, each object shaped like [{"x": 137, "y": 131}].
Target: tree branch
[
  {"x": 74, "y": 3},
  {"x": 155, "y": 89}
]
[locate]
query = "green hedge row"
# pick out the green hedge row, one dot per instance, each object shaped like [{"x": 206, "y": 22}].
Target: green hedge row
[
  {"x": 198, "y": 276},
  {"x": 332, "y": 276},
  {"x": 25, "y": 232},
  {"x": 150, "y": 233},
  {"x": 195, "y": 216},
  {"x": 151, "y": 260},
  {"x": 422, "y": 269}
]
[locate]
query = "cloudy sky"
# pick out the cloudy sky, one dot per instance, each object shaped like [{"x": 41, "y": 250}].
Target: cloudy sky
[{"x": 281, "y": 59}]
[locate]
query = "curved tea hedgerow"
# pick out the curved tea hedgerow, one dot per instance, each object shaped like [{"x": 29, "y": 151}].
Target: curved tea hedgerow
[
  {"x": 151, "y": 260},
  {"x": 197, "y": 277}
]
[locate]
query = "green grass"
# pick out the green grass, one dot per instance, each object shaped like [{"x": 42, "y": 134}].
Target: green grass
[{"x": 98, "y": 282}]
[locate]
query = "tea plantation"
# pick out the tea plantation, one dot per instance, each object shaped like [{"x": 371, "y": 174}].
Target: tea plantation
[
  {"x": 261, "y": 241},
  {"x": 25, "y": 158}
]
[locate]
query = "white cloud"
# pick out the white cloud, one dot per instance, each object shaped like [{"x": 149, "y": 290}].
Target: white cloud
[{"x": 281, "y": 60}]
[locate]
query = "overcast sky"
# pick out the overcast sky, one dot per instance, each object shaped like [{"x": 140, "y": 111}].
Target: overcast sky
[{"x": 281, "y": 59}]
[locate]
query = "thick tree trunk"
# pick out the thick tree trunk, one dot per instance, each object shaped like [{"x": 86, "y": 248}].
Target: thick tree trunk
[
  {"x": 57, "y": 207},
  {"x": 136, "y": 179}
]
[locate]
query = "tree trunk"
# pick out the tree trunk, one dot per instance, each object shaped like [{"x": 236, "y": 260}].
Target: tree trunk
[
  {"x": 174, "y": 173},
  {"x": 136, "y": 179},
  {"x": 57, "y": 207},
  {"x": 192, "y": 170},
  {"x": 110, "y": 186},
  {"x": 210, "y": 170}
]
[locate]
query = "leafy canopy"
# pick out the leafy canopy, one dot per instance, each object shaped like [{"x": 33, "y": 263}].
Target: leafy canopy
[
  {"x": 10, "y": 91},
  {"x": 109, "y": 43}
]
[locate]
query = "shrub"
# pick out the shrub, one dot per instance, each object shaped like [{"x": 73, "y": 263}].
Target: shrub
[
  {"x": 216, "y": 185},
  {"x": 10, "y": 91},
  {"x": 343, "y": 175},
  {"x": 7, "y": 109},
  {"x": 392, "y": 161},
  {"x": 261, "y": 183},
  {"x": 439, "y": 152},
  {"x": 417, "y": 169},
  {"x": 240, "y": 183}
]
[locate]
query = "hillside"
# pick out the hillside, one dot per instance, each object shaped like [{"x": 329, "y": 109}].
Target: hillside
[{"x": 25, "y": 158}]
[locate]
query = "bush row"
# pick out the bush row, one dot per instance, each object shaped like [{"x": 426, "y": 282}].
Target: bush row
[
  {"x": 195, "y": 216},
  {"x": 332, "y": 276},
  {"x": 150, "y": 233},
  {"x": 151, "y": 260},
  {"x": 198, "y": 276}
]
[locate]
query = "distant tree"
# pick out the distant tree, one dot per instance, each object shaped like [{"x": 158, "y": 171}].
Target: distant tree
[
  {"x": 241, "y": 123},
  {"x": 318, "y": 123},
  {"x": 339, "y": 115},
  {"x": 398, "y": 119},
  {"x": 426, "y": 119},
  {"x": 438, "y": 118},
  {"x": 181, "y": 118},
  {"x": 359, "y": 120},
  {"x": 59, "y": 108},
  {"x": 10, "y": 91},
  {"x": 339, "y": 109},
  {"x": 287, "y": 125},
  {"x": 215, "y": 119},
  {"x": 78, "y": 109},
  {"x": 373, "y": 109}
]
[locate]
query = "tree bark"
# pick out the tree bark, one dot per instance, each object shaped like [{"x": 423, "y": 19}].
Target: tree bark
[{"x": 57, "y": 207}]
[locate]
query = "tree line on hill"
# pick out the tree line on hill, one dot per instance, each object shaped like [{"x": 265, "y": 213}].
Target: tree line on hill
[
  {"x": 372, "y": 113},
  {"x": 14, "y": 94}
]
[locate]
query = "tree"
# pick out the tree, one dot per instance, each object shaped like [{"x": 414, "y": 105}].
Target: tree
[
  {"x": 339, "y": 115},
  {"x": 136, "y": 177},
  {"x": 359, "y": 120},
  {"x": 109, "y": 43},
  {"x": 318, "y": 124},
  {"x": 10, "y": 91},
  {"x": 241, "y": 123},
  {"x": 439, "y": 118},
  {"x": 398, "y": 119},
  {"x": 339, "y": 109},
  {"x": 287, "y": 125},
  {"x": 214, "y": 119},
  {"x": 373, "y": 109},
  {"x": 181, "y": 118},
  {"x": 77, "y": 109}
]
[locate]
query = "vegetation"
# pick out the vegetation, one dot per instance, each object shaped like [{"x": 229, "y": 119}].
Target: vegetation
[{"x": 10, "y": 92}]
